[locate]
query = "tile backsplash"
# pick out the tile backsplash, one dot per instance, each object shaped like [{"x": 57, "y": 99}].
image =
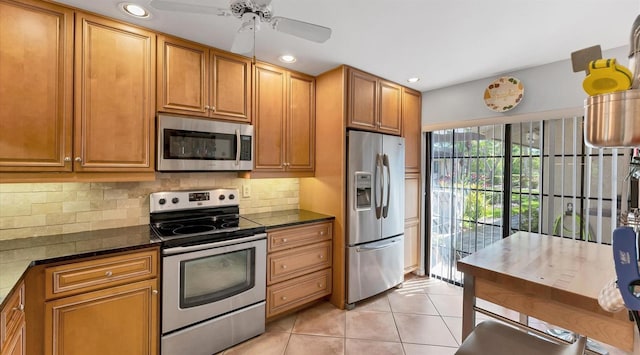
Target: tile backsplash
[{"x": 36, "y": 209}]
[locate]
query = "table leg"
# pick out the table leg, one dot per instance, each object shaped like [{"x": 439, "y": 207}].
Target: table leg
[{"x": 468, "y": 305}]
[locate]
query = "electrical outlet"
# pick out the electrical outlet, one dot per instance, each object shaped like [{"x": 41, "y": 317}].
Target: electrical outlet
[{"x": 246, "y": 190}]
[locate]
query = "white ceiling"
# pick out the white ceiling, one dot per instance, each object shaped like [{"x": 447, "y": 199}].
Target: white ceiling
[{"x": 441, "y": 42}]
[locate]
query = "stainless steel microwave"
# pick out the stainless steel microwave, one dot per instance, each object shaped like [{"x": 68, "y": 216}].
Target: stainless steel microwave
[{"x": 194, "y": 144}]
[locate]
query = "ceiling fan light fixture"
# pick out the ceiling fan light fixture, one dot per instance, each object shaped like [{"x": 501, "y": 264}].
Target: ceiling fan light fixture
[
  {"x": 134, "y": 10},
  {"x": 287, "y": 58},
  {"x": 413, "y": 80}
]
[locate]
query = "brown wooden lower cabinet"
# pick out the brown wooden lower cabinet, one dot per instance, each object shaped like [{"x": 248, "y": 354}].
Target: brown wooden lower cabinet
[
  {"x": 13, "y": 325},
  {"x": 113, "y": 321},
  {"x": 298, "y": 266}
]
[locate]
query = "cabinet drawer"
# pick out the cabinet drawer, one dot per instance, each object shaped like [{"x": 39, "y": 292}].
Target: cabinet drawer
[
  {"x": 287, "y": 264},
  {"x": 280, "y": 239},
  {"x": 12, "y": 315},
  {"x": 298, "y": 291},
  {"x": 68, "y": 279}
]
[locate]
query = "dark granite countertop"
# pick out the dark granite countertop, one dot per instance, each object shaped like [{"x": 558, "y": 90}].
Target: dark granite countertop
[
  {"x": 287, "y": 218},
  {"x": 17, "y": 255}
]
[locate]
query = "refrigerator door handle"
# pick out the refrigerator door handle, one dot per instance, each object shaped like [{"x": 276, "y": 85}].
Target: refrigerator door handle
[
  {"x": 385, "y": 162},
  {"x": 379, "y": 181},
  {"x": 377, "y": 247}
]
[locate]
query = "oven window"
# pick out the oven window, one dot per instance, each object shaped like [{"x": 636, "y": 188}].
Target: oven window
[
  {"x": 212, "y": 278},
  {"x": 181, "y": 144}
]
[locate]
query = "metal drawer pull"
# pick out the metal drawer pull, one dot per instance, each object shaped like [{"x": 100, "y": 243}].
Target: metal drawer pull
[
  {"x": 321, "y": 233},
  {"x": 108, "y": 274},
  {"x": 283, "y": 266},
  {"x": 321, "y": 256},
  {"x": 284, "y": 298},
  {"x": 284, "y": 240},
  {"x": 155, "y": 292},
  {"x": 20, "y": 308},
  {"x": 319, "y": 285}
]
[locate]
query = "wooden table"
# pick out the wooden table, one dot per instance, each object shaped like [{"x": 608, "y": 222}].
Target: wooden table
[{"x": 553, "y": 279}]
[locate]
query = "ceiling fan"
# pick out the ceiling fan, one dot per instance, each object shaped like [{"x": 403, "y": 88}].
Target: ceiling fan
[{"x": 252, "y": 13}]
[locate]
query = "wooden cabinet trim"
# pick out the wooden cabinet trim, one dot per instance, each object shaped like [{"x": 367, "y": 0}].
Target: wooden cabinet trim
[{"x": 84, "y": 276}]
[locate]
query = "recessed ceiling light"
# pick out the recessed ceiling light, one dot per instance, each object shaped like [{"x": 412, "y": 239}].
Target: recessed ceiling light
[
  {"x": 134, "y": 10},
  {"x": 287, "y": 58},
  {"x": 413, "y": 80}
]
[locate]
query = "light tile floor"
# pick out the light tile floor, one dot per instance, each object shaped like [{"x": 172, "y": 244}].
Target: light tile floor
[{"x": 423, "y": 317}]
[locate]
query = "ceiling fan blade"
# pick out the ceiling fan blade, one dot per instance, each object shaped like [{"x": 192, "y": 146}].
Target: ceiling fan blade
[
  {"x": 243, "y": 42},
  {"x": 168, "y": 5},
  {"x": 315, "y": 33}
]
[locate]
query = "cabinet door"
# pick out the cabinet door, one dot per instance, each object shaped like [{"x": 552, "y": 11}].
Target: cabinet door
[
  {"x": 301, "y": 123},
  {"x": 117, "y": 320},
  {"x": 411, "y": 129},
  {"x": 270, "y": 100},
  {"x": 412, "y": 222},
  {"x": 36, "y": 78},
  {"x": 182, "y": 77},
  {"x": 390, "y": 120},
  {"x": 362, "y": 100},
  {"x": 12, "y": 323},
  {"x": 230, "y": 87},
  {"x": 114, "y": 105}
]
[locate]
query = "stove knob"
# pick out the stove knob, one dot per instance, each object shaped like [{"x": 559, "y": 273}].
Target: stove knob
[
  {"x": 175, "y": 200},
  {"x": 221, "y": 197},
  {"x": 162, "y": 201},
  {"x": 232, "y": 197}
]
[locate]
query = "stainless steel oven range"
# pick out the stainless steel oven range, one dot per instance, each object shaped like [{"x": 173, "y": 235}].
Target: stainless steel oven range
[{"x": 213, "y": 267}]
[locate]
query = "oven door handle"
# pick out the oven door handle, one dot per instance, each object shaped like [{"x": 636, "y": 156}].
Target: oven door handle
[
  {"x": 238, "y": 147},
  {"x": 191, "y": 248}
]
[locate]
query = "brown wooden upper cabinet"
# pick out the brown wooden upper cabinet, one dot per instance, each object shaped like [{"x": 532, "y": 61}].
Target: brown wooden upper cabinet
[
  {"x": 374, "y": 104},
  {"x": 114, "y": 85},
  {"x": 284, "y": 107},
  {"x": 36, "y": 86},
  {"x": 411, "y": 129},
  {"x": 89, "y": 113},
  {"x": 199, "y": 81}
]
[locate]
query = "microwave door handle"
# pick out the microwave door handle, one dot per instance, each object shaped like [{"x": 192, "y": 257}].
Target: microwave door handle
[
  {"x": 385, "y": 162},
  {"x": 238, "y": 147}
]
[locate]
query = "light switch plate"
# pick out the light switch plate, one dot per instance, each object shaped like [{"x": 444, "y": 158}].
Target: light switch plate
[{"x": 246, "y": 190}]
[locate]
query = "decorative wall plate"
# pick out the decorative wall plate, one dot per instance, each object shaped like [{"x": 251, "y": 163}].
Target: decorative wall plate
[{"x": 503, "y": 94}]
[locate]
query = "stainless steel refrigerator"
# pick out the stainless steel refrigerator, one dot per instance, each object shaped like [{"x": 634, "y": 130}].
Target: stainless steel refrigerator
[{"x": 375, "y": 214}]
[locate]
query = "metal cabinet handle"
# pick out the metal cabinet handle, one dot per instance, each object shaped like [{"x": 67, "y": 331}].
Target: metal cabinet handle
[
  {"x": 19, "y": 308},
  {"x": 321, "y": 256},
  {"x": 284, "y": 240},
  {"x": 155, "y": 292},
  {"x": 284, "y": 298},
  {"x": 212, "y": 108},
  {"x": 108, "y": 274},
  {"x": 283, "y": 266},
  {"x": 78, "y": 159},
  {"x": 321, "y": 233},
  {"x": 67, "y": 158},
  {"x": 319, "y": 284},
  {"x": 206, "y": 107}
]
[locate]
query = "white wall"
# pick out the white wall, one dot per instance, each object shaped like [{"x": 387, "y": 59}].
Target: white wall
[{"x": 547, "y": 87}]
